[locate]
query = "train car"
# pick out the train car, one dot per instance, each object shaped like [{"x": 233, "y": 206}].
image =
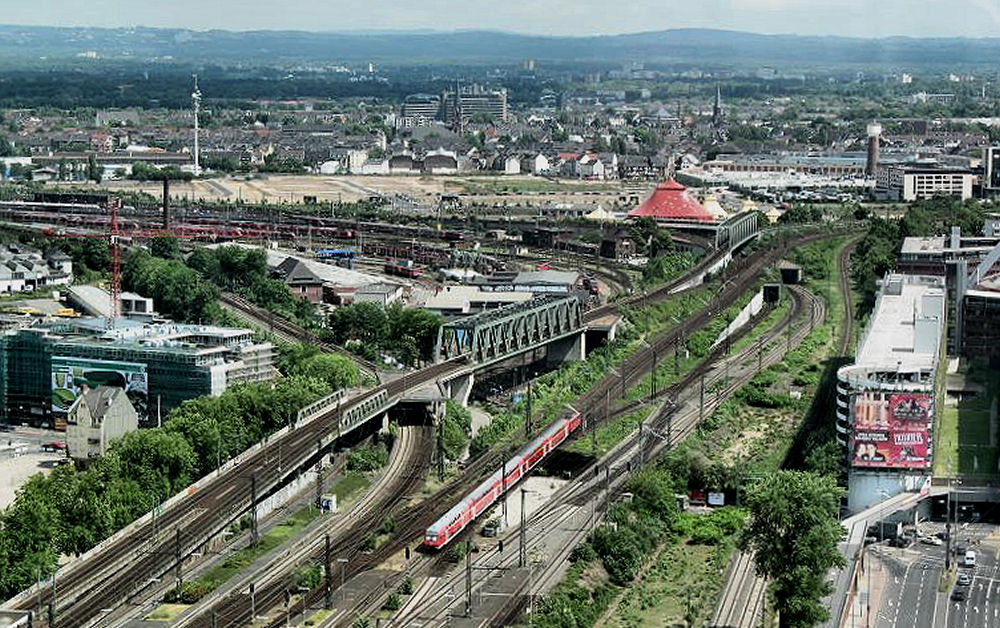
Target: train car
[
  {"x": 403, "y": 268},
  {"x": 442, "y": 531}
]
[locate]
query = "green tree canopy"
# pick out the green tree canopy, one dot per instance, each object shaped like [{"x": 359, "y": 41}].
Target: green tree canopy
[{"x": 793, "y": 531}]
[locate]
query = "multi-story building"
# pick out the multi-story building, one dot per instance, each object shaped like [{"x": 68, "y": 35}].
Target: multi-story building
[
  {"x": 886, "y": 400},
  {"x": 23, "y": 269},
  {"x": 475, "y": 101},
  {"x": 426, "y": 106},
  {"x": 911, "y": 183},
  {"x": 43, "y": 369}
]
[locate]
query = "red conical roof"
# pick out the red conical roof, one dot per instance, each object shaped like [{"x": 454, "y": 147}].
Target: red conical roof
[{"x": 671, "y": 201}]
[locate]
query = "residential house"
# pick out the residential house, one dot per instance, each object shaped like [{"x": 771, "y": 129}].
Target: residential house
[
  {"x": 98, "y": 417},
  {"x": 302, "y": 281},
  {"x": 535, "y": 163},
  {"x": 511, "y": 165}
]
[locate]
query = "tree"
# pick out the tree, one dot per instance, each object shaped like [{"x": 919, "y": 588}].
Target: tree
[
  {"x": 336, "y": 370},
  {"x": 94, "y": 170},
  {"x": 165, "y": 247},
  {"x": 793, "y": 531}
]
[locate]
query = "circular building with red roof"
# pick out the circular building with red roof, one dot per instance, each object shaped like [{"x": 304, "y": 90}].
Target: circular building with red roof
[{"x": 671, "y": 202}]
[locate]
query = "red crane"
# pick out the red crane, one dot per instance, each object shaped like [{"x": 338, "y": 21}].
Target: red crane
[{"x": 114, "y": 204}]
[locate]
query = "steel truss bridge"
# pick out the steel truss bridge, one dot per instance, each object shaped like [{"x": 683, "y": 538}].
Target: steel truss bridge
[{"x": 496, "y": 334}]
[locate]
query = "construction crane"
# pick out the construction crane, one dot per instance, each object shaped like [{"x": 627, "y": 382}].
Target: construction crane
[{"x": 114, "y": 204}]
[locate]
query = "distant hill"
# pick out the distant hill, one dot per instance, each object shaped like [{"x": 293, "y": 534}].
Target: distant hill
[{"x": 402, "y": 48}]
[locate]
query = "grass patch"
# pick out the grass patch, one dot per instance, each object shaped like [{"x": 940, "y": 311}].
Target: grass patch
[
  {"x": 681, "y": 585},
  {"x": 317, "y": 618},
  {"x": 962, "y": 443},
  {"x": 349, "y": 486},
  {"x": 167, "y": 612},
  {"x": 193, "y": 590},
  {"x": 609, "y": 434}
]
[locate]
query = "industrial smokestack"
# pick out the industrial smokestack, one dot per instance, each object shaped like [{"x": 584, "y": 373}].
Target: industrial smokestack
[{"x": 874, "y": 134}]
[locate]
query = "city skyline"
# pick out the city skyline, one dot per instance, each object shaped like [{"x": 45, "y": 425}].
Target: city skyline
[{"x": 850, "y": 18}]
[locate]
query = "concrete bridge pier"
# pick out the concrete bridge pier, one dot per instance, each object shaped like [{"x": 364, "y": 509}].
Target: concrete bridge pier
[
  {"x": 570, "y": 349},
  {"x": 459, "y": 388}
]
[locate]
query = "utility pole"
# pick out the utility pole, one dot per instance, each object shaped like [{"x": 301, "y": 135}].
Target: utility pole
[
  {"x": 677, "y": 356},
  {"x": 52, "y": 604},
  {"x": 522, "y": 557},
  {"x": 328, "y": 601},
  {"x": 701, "y": 406},
  {"x": 253, "y": 604},
  {"x": 607, "y": 487},
  {"x": 440, "y": 449},
  {"x": 527, "y": 419},
  {"x": 177, "y": 557},
  {"x": 468, "y": 578},
  {"x": 319, "y": 475},
  {"x": 947, "y": 530},
  {"x": 642, "y": 438},
  {"x": 253, "y": 510},
  {"x": 652, "y": 382}
]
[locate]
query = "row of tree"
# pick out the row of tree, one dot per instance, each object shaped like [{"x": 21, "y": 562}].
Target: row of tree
[
  {"x": 71, "y": 510},
  {"x": 244, "y": 271},
  {"x": 408, "y": 334}
]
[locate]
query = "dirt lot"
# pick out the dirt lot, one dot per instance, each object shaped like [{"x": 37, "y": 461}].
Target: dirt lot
[
  {"x": 421, "y": 189},
  {"x": 15, "y": 471}
]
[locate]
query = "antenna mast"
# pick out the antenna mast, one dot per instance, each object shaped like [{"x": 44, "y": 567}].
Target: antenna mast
[{"x": 196, "y": 100}]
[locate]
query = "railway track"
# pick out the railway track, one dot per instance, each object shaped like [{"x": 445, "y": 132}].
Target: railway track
[
  {"x": 289, "y": 331},
  {"x": 404, "y": 473},
  {"x": 741, "y": 604},
  {"x": 568, "y": 510},
  {"x": 125, "y": 565}
]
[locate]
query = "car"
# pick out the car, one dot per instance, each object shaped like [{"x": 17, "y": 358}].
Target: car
[
  {"x": 931, "y": 540},
  {"x": 960, "y": 594},
  {"x": 964, "y": 579},
  {"x": 942, "y": 535},
  {"x": 54, "y": 446}
]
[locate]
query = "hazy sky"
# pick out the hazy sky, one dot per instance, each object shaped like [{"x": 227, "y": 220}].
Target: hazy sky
[{"x": 865, "y": 18}]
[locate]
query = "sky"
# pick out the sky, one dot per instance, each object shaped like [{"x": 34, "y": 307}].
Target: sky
[{"x": 859, "y": 18}]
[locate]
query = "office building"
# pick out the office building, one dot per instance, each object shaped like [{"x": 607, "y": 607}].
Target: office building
[
  {"x": 426, "y": 106},
  {"x": 911, "y": 183},
  {"x": 45, "y": 368},
  {"x": 476, "y": 102}
]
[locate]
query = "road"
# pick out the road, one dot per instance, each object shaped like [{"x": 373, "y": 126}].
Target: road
[{"x": 904, "y": 584}]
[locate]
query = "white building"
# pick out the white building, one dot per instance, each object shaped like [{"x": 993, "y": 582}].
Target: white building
[
  {"x": 886, "y": 399},
  {"x": 98, "y": 417},
  {"x": 910, "y": 183}
]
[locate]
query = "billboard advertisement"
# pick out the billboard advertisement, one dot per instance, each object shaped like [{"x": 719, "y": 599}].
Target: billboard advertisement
[
  {"x": 72, "y": 376},
  {"x": 892, "y": 430}
]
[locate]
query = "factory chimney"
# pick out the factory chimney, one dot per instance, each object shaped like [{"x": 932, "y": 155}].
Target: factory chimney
[{"x": 874, "y": 134}]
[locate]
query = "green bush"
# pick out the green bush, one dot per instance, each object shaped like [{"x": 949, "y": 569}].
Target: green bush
[
  {"x": 393, "y": 603},
  {"x": 405, "y": 585},
  {"x": 368, "y": 458}
]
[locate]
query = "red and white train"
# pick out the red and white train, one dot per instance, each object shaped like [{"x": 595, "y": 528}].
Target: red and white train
[{"x": 442, "y": 531}]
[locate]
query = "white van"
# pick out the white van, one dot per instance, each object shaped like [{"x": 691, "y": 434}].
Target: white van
[{"x": 970, "y": 558}]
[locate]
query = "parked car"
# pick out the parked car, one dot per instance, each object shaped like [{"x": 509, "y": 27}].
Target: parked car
[
  {"x": 931, "y": 540},
  {"x": 54, "y": 446}
]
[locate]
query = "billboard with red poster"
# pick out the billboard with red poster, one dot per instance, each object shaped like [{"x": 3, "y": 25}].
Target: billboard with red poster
[{"x": 892, "y": 430}]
